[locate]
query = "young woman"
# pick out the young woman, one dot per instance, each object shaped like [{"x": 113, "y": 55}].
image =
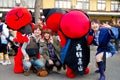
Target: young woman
[
  {"x": 51, "y": 51},
  {"x": 105, "y": 48}
]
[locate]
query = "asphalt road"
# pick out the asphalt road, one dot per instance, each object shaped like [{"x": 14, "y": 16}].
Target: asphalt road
[{"x": 112, "y": 71}]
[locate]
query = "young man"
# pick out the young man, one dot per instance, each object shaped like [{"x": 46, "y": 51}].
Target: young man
[{"x": 30, "y": 52}]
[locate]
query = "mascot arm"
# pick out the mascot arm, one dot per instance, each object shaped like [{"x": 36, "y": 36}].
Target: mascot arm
[
  {"x": 20, "y": 38},
  {"x": 90, "y": 37},
  {"x": 62, "y": 39}
]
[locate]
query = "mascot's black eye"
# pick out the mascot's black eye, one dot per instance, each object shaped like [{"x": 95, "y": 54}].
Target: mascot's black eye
[{"x": 18, "y": 16}]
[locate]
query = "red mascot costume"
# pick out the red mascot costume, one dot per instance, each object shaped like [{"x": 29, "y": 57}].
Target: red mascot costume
[
  {"x": 72, "y": 28},
  {"x": 19, "y": 19}
]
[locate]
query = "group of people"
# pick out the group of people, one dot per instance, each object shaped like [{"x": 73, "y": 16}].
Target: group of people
[{"x": 42, "y": 51}]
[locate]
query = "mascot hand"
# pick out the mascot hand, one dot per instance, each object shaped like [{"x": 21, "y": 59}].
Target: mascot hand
[
  {"x": 89, "y": 39},
  {"x": 62, "y": 39},
  {"x": 20, "y": 38}
]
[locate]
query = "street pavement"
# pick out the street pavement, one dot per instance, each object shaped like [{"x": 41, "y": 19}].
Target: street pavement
[{"x": 112, "y": 71}]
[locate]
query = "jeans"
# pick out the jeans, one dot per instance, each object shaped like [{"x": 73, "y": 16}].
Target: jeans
[
  {"x": 37, "y": 64},
  {"x": 117, "y": 44}
]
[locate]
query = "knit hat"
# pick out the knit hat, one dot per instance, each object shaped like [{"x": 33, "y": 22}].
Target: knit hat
[{"x": 1, "y": 26}]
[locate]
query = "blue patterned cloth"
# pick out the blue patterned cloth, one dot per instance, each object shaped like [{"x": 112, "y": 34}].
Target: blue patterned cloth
[{"x": 52, "y": 51}]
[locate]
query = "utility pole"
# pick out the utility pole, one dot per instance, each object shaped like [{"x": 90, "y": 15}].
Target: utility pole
[
  {"x": 17, "y": 3},
  {"x": 37, "y": 9}
]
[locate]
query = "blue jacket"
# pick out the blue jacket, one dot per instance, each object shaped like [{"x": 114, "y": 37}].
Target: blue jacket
[{"x": 103, "y": 43}]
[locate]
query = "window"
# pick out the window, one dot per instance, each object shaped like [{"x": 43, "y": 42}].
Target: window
[
  {"x": 101, "y": 5},
  {"x": 82, "y": 4},
  {"x": 115, "y": 6},
  {"x": 28, "y": 3},
  {"x": 62, "y": 3},
  {"x": 7, "y": 3},
  {"x": 11, "y": 3},
  {"x": 1, "y": 2}
]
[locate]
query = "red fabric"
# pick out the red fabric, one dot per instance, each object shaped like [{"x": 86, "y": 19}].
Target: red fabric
[
  {"x": 89, "y": 39},
  {"x": 18, "y": 66},
  {"x": 75, "y": 24},
  {"x": 39, "y": 56},
  {"x": 32, "y": 25},
  {"x": 62, "y": 39},
  {"x": 18, "y": 17},
  {"x": 87, "y": 71},
  {"x": 44, "y": 26},
  {"x": 53, "y": 20},
  {"x": 70, "y": 73},
  {"x": 20, "y": 38}
]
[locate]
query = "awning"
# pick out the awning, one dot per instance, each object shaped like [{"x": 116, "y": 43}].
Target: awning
[
  {"x": 89, "y": 12},
  {"x": 104, "y": 13}
]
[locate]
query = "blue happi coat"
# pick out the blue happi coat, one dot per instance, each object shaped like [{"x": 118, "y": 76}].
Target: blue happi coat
[{"x": 102, "y": 40}]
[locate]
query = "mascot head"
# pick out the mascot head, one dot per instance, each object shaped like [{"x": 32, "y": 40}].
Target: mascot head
[
  {"x": 53, "y": 18},
  {"x": 18, "y": 17},
  {"x": 75, "y": 24}
]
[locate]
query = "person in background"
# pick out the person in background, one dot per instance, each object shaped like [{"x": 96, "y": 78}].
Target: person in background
[
  {"x": 51, "y": 51},
  {"x": 31, "y": 56},
  {"x": 41, "y": 23},
  {"x": 4, "y": 33},
  {"x": 117, "y": 40},
  {"x": 105, "y": 48}
]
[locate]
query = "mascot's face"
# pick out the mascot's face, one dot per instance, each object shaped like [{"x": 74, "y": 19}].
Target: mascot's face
[
  {"x": 75, "y": 24},
  {"x": 18, "y": 18}
]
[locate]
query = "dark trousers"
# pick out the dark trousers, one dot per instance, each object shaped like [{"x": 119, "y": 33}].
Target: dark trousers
[
  {"x": 104, "y": 61},
  {"x": 57, "y": 64},
  {"x": 117, "y": 44},
  {"x": 3, "y": 48}
]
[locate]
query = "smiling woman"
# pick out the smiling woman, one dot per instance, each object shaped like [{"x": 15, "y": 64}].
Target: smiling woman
[{"x": 105, "y": 48}]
